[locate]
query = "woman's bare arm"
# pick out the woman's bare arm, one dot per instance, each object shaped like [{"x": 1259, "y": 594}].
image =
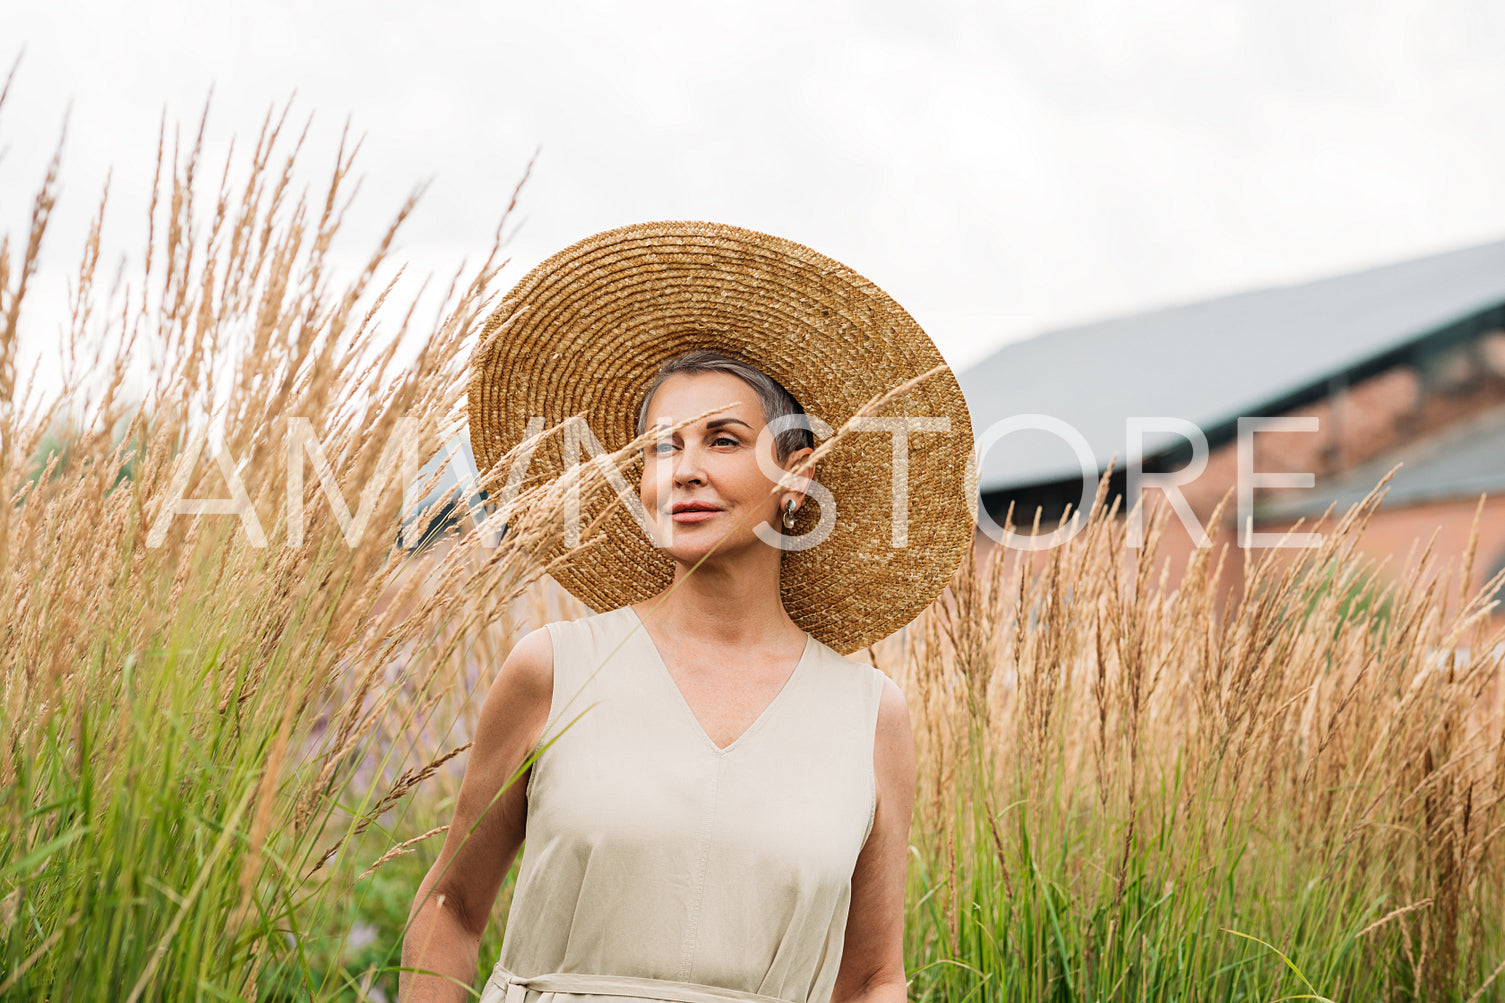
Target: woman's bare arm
[
  {"x": 454, "y": 900},
  {"x": 872, "y": 957}
]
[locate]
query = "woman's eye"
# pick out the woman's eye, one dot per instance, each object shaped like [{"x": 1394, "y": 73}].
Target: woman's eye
[
  {"x": 726, "y": 438},
  {"x": 661, "y": 448}
]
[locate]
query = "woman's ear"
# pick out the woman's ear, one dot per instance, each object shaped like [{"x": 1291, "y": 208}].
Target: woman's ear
[{"x": 793, "y": 462}]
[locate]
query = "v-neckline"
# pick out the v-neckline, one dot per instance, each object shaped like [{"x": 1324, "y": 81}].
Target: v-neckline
[{"x": 763, "y": 715}]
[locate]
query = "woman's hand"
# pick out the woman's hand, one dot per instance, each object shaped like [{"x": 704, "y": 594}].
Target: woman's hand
[
  {"x": 872, "y": 957},
  {"x": 455, "y": 899}
]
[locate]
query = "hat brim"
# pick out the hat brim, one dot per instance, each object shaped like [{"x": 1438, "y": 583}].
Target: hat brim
[{"x": 590, "y": 326}]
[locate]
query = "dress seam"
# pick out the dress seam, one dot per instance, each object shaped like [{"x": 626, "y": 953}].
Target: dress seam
[{"x": 692, "y": 928}]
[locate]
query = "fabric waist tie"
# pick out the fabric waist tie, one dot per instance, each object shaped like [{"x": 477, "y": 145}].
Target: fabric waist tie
[{"x": 516, "y": 987}]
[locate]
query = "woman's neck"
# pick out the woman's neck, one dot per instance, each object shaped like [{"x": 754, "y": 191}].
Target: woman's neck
[{"x": 716, "y": 604}]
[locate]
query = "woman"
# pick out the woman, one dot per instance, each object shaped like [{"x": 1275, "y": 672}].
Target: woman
[{"x": 720, "y": 806}]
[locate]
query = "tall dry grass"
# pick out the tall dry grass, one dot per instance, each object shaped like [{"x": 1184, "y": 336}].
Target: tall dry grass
[
  {"x": 195, "y": 730},
  {"x": 1121, "y": 786}
]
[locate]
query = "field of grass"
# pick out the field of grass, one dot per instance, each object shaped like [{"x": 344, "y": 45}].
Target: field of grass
[
  {"x": 225, "y": 766},
  {"x": 1131, "y": 797}
]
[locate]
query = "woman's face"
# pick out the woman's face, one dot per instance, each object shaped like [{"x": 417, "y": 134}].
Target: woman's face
[{"x": 709, "y": 470}]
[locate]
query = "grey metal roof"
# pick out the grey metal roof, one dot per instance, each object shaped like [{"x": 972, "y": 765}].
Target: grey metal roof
[
  {"x": 1212, "y": 361},
  {"x": 1464, "y": 462}
]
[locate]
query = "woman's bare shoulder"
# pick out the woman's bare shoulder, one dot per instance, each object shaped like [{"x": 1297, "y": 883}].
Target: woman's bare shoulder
[
  {"x": 893, "y": 726},
  {"x": 527, "y": 673}
]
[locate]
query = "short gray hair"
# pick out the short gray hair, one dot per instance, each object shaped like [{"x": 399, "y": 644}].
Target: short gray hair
[{"x": 777, "y": 402}]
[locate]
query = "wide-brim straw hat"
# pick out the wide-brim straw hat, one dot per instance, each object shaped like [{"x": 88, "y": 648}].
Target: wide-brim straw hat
[{"x": 586, "y": 332}]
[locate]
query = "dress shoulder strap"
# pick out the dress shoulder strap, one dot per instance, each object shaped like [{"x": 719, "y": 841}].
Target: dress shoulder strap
[{"x": 582, "y": 649}]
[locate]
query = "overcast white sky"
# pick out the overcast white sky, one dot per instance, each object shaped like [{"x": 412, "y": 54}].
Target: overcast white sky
[{"x": 1000, "y": 168}]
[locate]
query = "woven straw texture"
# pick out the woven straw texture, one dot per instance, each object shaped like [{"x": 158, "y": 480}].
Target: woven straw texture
[{"x": 589, "y": 327}]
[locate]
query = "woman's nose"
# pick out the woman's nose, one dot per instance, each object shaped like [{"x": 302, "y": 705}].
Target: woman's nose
[{"x": 688, "y": 468}]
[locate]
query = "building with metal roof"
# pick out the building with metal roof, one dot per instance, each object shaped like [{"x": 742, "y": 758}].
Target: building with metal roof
[
  {"x": 1398, "y": 364},
  {"x": 1264, "y": 352}
]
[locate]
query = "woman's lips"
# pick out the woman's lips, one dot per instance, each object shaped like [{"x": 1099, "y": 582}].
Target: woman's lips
[{"x": 695, "y": 515}]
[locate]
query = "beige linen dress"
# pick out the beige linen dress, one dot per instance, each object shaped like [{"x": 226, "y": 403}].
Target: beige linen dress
[{"x": 657, "y": 866}]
